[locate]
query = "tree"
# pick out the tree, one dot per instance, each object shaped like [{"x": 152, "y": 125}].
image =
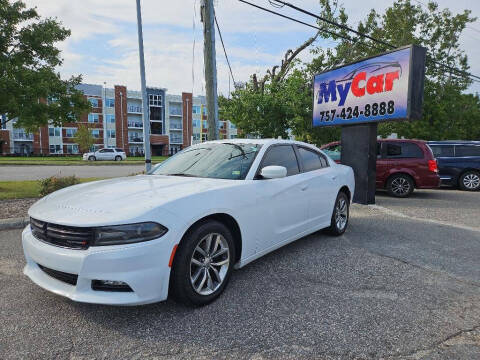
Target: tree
[
  {"x": 84, "y": 138},
  {"x": 30, "y": 89},
  {"x": 275, "y": 104}
]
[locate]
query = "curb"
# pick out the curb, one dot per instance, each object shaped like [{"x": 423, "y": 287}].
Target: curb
[{"x": 14, "y": 223}]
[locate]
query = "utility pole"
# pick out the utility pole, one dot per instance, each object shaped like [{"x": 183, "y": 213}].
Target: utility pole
[
  {"x": 208, "y": 19},
  {"x": 145, "y": 117}
]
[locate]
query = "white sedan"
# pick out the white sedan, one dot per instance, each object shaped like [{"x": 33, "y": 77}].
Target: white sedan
[
  {"x": 106, "y": 154},
  {"x": 186, "y": 225}
]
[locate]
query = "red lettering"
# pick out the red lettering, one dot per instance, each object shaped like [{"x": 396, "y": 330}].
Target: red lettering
[
  {"x": 375, "y": 84},
  {"x": 389, "y": 78},
  {"x": 357, "y": 91}
]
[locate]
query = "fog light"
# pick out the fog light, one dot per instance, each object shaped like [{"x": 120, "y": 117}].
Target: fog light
[{"x": 110, "y": 285}]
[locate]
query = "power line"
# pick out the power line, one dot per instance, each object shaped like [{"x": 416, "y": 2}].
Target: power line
[
  {"x": 224, "y": 51},
  {"x": 452, "y": 69}
]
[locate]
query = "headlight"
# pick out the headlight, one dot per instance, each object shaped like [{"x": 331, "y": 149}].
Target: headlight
[{"x": 128, "y": 234}]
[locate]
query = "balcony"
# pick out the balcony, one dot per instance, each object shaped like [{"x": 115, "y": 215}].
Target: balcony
[
  {"x": 176, "y": 140},
  {"x": 174, "y": 112},
  {"x": 176, "y": 127},
  {"x": 135, "y": 125},
  {"x": 135, "y": 139},
  {"x": 134, "y": 109},
  {"x": 22, "y": 136}
]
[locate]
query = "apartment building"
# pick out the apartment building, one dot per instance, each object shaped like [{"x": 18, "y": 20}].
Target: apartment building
[{"x": 176, "y": 121}]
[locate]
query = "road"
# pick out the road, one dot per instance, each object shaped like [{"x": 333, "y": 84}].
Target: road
[
  {"x": 402, "y": 283},
  {"x": 36, "y": 172}
]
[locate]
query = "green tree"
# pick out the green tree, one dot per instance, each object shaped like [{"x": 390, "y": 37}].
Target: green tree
[
  {"x": 30, "y": 88},
  {"x": 84, "y": 138}
]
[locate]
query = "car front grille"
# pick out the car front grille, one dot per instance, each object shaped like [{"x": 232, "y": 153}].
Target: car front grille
[
  {"x": 59, "y": 235},
  {"x": 59, "y": 275}
]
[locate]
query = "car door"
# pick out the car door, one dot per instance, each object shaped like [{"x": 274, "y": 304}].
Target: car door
[
  {"x": 321, "y": 189},
  {"x": 282, "y": 203}
]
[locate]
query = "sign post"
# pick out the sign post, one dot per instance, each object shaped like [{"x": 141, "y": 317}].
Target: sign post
[{"x": 357, "y": 96}]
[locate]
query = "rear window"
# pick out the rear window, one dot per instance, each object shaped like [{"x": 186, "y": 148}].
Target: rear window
[
  {"x": 119, "y": 150},
  {"x": 403, "y": 150},
  {"x": 311, "y": 160},
  {"x": 467, "y": 150},
  {"x": 442, "y": 150}
]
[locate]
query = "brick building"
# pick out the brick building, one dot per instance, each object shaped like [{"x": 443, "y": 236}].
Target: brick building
[{"x": 116, "y": 121}]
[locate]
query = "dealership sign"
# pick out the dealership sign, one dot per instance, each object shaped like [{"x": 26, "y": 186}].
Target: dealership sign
[{"x": 381, "y": 88}]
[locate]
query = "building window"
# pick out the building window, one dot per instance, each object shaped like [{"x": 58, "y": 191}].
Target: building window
[
  {"x": 233, "y": 136},
  {"x": 196, "y": 123},
  {"x": 111, "y": 134},
  {"x": 205, "y": 124},
  {"x": 196, "y": 109},
  {"x": 221, "y": 124},
  {"x": 156, "y": 114},
  {"x": 54, "y": 131},
  {"x": 110, "y": 119},
  {"x": 93, "y": 118},
  {"x": 204, "y": 137},
  {"x": 196, "y": 136},
  {"x": 55, "y": 149},
  {"x": 110, "y": 102},
  {"x": 70, "y": 133},
  {"x": 95, "y": 133},
  {"x": 156, "y": 128},
  {"x": 94, "y": 102},
  {"x": 233, "y": 126},
  {"x": 155, "y": 100},
  {"x": 72, "y": 149}
]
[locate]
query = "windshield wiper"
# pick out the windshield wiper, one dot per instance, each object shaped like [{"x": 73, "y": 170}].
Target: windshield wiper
[{"x": 180, "y": 174}]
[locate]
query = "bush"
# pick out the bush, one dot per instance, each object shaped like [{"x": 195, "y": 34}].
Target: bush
[{"x": 54, "y": 183}]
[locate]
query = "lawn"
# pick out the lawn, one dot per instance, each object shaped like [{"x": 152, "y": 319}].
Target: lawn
[
  {"x": 25, "y": 189},
  {"x": 71, "y": 160}
]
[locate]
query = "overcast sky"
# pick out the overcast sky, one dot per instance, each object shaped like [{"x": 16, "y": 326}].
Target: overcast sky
[{"x": 103, "y": 44}]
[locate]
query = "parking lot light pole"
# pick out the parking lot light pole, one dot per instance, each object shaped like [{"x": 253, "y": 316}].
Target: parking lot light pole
[{"x": 145, "y": 117}]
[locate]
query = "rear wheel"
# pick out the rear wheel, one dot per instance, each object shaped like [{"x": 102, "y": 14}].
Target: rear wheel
[
  {"x": 470, "y": 181},
  {"x": 118, "y": 158},
  {"x": 203, "y": 264},
  {"x": 92, "y": 158},
  {"x": 400, "y": 185},
  {"x": 340, "y": 215}
]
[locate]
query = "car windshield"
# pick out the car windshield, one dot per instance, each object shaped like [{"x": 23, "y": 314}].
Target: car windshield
[{"x": 211, "y": 160}]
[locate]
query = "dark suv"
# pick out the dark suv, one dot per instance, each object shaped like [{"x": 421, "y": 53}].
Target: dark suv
[
  {"x": 402, "y": 165},
  {"x": 458, "y": 163}
]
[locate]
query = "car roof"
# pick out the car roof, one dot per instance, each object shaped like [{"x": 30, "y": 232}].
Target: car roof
[
  {"x": 382, "y": 140},
  {"x": 453, "y": 142},
  {"x": 258, "y": 141}
]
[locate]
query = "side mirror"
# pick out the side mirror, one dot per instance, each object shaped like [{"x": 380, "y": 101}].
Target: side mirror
[{"x": 273, "y": 172}]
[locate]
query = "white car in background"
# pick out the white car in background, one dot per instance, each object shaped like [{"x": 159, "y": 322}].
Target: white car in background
[
  {"x": 185, "y": 226},
  {"x": 106, "y": 154}
]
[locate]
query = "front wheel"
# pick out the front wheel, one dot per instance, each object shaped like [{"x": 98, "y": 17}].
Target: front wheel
[
  {"x": 470, "y": 181},
  {"x": 118, "y": 158},
  {"x": 203, "y": 264},
  {"x": 92, "y": 158},
  {"x": 340, "y": 216}
]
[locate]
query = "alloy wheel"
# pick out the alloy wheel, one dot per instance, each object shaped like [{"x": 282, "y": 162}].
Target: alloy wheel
[
  {"x": 471, "y": 181},
  {"x": 400, "y": 186},
  {"x": 341, "y": 214},
  {"x": 209, "y": 264}
]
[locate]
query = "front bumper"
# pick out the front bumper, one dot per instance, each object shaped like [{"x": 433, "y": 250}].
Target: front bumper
[{"x": 143, "y": 266}]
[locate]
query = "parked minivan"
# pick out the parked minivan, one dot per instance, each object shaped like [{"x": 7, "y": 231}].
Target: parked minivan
[
  {"x": 458, "y": 163},
  {"x": 402, "y": 165}
]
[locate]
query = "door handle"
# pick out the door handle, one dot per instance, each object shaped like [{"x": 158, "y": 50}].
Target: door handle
[
  {"x": 334, "y": 177},
  {"x": 304, "y": 187}
]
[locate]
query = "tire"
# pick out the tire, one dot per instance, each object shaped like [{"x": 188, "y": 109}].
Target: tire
[
  {"x": 340, "y": 215},
  {"x": 118, "y": 158},
  {"x": 400, "y": 185},
  {"x": 470, "y": 181},
  {"x": 92, "y": 158},
  {"x": 195, "y": 279}
]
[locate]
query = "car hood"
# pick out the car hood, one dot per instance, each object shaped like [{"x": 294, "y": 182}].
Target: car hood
[{"x": 119, "y": 200}]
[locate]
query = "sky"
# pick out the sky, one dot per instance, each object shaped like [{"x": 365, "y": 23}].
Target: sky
[{"x": 103, "y": 45}]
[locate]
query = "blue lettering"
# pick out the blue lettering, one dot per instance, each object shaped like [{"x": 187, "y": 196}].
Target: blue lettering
[
  {"x": 327, "y": 93},
  {"x": 343, "y": 92}
]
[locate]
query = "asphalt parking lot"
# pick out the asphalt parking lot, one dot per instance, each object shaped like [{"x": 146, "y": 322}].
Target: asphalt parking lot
[{"x": 402, "y": 283}]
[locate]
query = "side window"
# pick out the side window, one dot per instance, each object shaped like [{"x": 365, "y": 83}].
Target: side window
[
  {"x": 442, "y": 150},
  {"x": 108, "y": 150},
  {"x": 403, "y": 150},
  {"x": 311, "y": 160},
  {"x": 282, "y": 155},
  {"x": 467, "y": 150},
  {"x": 102, "y": 151},
  {"x": 334, "y": 151}
]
